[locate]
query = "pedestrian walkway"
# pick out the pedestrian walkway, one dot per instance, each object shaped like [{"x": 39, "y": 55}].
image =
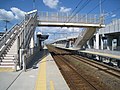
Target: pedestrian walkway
[
  {"x": 49, "y": 76},
  {"x": 46, "y": 76}
]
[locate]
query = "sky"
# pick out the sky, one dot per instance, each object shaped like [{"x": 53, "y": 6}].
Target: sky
[{"x": 14, "y": 10}]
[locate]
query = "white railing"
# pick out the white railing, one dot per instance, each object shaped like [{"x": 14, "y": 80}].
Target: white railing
[
  {"x": 21, "y": 32},
  {"x": 67, "y": 17},
  {"x": 8, "y": 38},
  {"x": 24, "y": 37},
  {"x": 27, "y": 32}
]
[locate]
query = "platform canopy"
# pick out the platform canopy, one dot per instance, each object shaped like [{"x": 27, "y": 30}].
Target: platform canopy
[{"x": 42, "y": 37}]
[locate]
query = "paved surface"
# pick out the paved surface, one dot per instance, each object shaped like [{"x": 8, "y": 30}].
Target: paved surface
[
  {"x": 6, "y": 78},
  {"x": 46, "y": 76},
  {"x": 54, "y": 77}
]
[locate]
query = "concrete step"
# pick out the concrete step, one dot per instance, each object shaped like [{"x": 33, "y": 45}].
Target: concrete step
[
  {"x": 12, "y": 52},
  {"x": 7, "y": 63},
  {"x": 9, "y": 55},
  {"x": 9, "y": 58},
  {"x": 7, "y": 66}
]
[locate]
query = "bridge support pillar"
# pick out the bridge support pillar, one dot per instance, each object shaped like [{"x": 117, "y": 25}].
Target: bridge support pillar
[
  {"x": 118, "y": 63},
  {"x": 118, "y": 43},
  {"x": 68, "y": 44},
  {"x": 109, "y": 43},
  {"x": 90, "y": 43},
  {"x": 94, "y": 42},
  {"x": 101, "y": 40},
  {"x": 97, "y": 41},
  {"x": 32, "y": 45}
]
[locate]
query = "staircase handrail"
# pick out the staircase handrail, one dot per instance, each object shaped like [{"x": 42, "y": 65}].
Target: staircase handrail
[
  {"x": 25, "y": 24},
  {"x": 7, "y": 35},
  {"x": 7, "y": 39}
]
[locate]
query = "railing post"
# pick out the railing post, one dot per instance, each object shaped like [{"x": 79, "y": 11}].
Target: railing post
[
  {"x": 24, "y": 62},
  {"x": 15, "y": 62},
  {"x": 23, "y": 59},
  {"x": 21, "y": 52}
]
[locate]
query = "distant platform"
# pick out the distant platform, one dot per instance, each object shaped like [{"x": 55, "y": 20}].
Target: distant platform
[
  {"x": 101, "y": 54},
  {"x": 71, "y": 48},
  {"x": 109, "y": 55}
]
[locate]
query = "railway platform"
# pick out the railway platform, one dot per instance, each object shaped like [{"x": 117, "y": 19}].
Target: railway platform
[{"x": 44, "y": 76}]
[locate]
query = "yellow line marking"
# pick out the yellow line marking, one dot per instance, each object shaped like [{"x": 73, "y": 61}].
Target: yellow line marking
[
  {"x": 6, "y": 70},
  {"x": 51, "y": 85},
  {"x": 41, "y": 80}
]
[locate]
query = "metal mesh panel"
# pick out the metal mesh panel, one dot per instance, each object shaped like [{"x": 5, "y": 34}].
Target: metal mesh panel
[{"x": 67, "y": 17}]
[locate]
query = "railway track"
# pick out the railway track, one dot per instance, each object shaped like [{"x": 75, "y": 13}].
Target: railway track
[
  {"x": 62, "y": 56},
  {"x": 73, "y": 78},
  {"x": 100, "y": 66},
  {"x": 108, "y": 69}
]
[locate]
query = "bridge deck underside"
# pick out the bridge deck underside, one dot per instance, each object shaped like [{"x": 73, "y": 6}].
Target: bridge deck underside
[{"x": 62, "y": 24}]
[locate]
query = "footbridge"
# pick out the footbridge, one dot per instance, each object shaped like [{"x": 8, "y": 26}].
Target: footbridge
[
  {"x": 17, "y": 44},
  {"x": 67, "y": 20}
]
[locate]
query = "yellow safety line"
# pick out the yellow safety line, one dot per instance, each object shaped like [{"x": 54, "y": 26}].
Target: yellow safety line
[
  {"x": 51, "y": 85},
  {"x": 41, "y": 80},
  {"x": 6, "y": 70}
]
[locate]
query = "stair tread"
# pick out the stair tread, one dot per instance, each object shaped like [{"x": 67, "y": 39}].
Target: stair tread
[{"x": 7, "y": 64}]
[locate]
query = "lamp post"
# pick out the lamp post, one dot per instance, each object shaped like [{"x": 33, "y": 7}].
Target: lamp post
[
  {"x": 33, "y": 4},
  {"x": 6, "y": 24}
]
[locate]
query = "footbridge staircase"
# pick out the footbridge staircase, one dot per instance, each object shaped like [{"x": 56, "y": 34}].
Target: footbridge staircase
[
  {"x": 18, "y": 37},
  {"x": 84, "y": 36}
]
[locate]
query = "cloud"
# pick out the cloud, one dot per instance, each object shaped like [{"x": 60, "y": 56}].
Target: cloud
[
  {"x": 51, "y": 3},
  {"x": 64, "y": 9},
  {"x": 114, "y": 15},
  {"x": 6, "y": 15},
  {"x": 19, "y": 14},
  {"x": 15, "y": 13}
]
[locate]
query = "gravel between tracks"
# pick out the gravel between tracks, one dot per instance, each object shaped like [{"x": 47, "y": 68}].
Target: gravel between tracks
[{"x": 97, "y": 76}]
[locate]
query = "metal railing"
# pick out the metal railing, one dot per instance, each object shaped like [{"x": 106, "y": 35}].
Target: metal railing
[
  {"x": 27, "y": 32},
  {"x": 8, "y": 38},
  {"x": 24, "y": 37},
  {"x": 113, "y": 27},
  {"x": 67, "y": 17},
  {"x": 21, "y": 34}
]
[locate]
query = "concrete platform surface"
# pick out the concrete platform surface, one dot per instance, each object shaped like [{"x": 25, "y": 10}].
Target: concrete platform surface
[
  {"x": 46, "y": 76},
  {"x": 54, "y": 76}
]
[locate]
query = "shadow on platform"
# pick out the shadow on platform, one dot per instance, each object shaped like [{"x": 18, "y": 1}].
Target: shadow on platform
[{"x": 37, "y": 58}]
